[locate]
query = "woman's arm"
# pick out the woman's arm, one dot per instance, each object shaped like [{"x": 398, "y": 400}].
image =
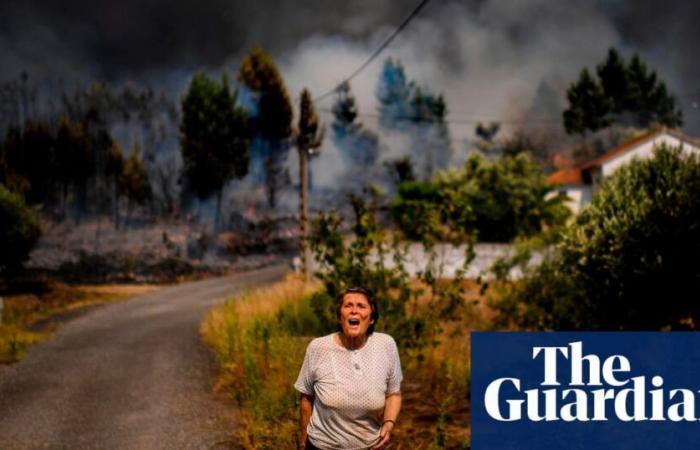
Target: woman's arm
[
  {"x": 392, "y": 406},
  {"x": 306, "y": 407}
]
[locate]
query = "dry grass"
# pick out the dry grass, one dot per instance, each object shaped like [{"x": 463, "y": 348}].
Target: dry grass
[{"x": 260, "y": 361}]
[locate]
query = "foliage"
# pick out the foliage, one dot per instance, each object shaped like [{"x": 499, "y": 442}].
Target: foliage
[
  {"x": 626, "y": 94},
  {"x": 270, "y": 118},
  {"x": 376, "y": 261},
  {"x": 133, "y": 180},
  {"x": 260, "y": 337},
  {"x": 309, "y": 133},
  {"x": 359, "y": 145},
  {"x": 589, "y": 107},
  {"x": 214, "y": 136},
  {"x": 496, "y": 201},
  {"x": 407, "y": 108},
  {"x": 419, "y": 209},
  {"x": 20, "y": 229},
  {"x": 401, "y": 169},
  {"x": 430, "y": 135},
  {"x": 629, "y": 261},
  {"x": 259, "y": 340},
  {"x": 14, "y": 342},
  {"x": 393, "y": 93},
  {"x": 30, "y": 156}
]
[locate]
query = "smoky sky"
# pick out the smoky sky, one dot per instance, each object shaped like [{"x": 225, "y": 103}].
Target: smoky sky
[{"x": 521, "y": 43}]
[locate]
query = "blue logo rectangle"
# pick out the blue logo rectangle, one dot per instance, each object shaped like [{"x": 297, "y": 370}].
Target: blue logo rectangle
[{"x": 592, "y": 390}]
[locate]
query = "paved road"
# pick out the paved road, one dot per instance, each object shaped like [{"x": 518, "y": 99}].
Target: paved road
[{"x": 132, "y": 375}]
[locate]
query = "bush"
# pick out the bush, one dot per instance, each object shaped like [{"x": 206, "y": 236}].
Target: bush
[
  {"x": 498, "y": 201},
  {"x": 631, "y": 259},
  {"x": 410, "y": 310},
  {"x": 20, "y": 229}
]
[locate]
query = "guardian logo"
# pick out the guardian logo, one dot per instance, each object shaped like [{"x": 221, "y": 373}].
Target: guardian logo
[{"x": 587, "y": 390}]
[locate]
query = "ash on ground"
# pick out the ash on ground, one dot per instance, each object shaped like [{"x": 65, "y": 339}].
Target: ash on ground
[{"x": 94, "y": 251}]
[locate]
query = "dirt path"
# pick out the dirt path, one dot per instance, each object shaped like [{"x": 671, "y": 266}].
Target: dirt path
[{"x": 132, "y": 375}]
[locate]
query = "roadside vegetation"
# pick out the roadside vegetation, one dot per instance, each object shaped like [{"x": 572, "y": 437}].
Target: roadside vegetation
[
  {"x": 260, "y": 338},
  {"x": 629, "y": 262}
]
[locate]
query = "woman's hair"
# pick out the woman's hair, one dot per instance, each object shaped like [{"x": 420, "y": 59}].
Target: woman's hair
[{"x": 374, "y": 316}]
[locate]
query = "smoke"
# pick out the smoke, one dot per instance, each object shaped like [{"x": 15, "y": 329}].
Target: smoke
[{"x": 507, "y": 60}]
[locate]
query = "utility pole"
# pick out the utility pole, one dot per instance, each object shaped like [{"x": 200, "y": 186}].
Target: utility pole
[{"x": 309, "y": 136}]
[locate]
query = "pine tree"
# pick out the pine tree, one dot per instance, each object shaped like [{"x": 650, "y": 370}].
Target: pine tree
[
  {"x": 589, "y": 108},
  {"x": 614, "y": 81},
  {"x": 430, "y": 135},
  {"x": 133, "y": 182},
  {"x": 625, "y": 94},
  {"x": 359, "y": 146},
  {"x": 393, "y": 93},
  {"x": 271, "y": 120},
  {"x": 214, "y": 138}
]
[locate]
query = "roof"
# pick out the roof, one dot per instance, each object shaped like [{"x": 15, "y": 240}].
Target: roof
[
  {"x": 575, "y": 175},
  {"x": 637, "y": 141},
  {"x": 566, "y": 176}
]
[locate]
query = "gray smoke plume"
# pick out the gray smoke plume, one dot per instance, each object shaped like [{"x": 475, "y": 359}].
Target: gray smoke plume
[{"x": 507, "y": 60}]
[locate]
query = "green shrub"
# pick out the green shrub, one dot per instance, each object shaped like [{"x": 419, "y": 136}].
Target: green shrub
[
  {"x": 631, "y": 259},
  {"x": 374, "y": 260},
  {"x": 497, "y": 200},
  {"x": 20, "y": 229}
]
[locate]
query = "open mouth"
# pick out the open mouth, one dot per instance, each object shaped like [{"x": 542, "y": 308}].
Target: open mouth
[{"x": 354, "y": 322}]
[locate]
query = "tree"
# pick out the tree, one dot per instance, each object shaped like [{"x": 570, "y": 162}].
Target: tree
[
  {"x": 309, "y": 136},
  {"x": 630, "y": 260},
  {"x": 405, "y": 107},
  {"x": 359, "y": 145},
  {"x": 496, "y": 201},
  {"x": 486, "y": 138},
  {"x": 625, "y": 94},
  {"x": 20, "y": 229},
  {"x": 270, "y": 118},
  {"x": 401, "y": 169},
  {"x": 614, "y": 81},
  {"x": 430, "y": 135},
  {"x": 113, "y": 171},
  {"x": 133, "y": 182},
  {"x": 648, "y": 98},
  {"x": 376, "y": 260},
  {"x": 75, "y": 161},
  {"x": 30, "y": 154},
  {"x": 393, "y": 93},
  {"x": 589, "y": 108},
  {"x": 214, "y": 139}
]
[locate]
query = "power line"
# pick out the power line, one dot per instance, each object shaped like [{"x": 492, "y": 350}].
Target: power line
[
  {"x": 376, "y": 53},
  {"x": 472, "y": 121}
]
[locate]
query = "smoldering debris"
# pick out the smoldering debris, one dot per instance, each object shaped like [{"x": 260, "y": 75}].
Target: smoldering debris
[{"x": 96, "y": 252}]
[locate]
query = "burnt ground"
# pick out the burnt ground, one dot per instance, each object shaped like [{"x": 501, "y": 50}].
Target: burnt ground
[{"x": 129, "y": 375}]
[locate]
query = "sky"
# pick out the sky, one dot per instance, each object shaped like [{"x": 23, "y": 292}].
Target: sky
[{"x": 506, "y": 60}]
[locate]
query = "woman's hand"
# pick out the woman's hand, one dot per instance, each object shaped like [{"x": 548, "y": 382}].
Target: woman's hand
[{"x": 384, "y": 435}]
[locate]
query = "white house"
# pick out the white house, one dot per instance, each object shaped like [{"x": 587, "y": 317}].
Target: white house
[{"x": 580, "y": 183}]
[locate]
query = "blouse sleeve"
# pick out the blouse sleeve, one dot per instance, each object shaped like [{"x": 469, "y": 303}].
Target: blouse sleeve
[
  {"x": 305, "y": 380},
  {"x": 395, "y": 374}
]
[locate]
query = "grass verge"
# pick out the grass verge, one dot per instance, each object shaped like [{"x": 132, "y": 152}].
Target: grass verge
[{"x": 260, "y": 339}]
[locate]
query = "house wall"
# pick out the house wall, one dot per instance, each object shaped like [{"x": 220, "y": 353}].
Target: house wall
[
  {"x": 579, "y": 196},
  {"x": 645, "y": 150}
]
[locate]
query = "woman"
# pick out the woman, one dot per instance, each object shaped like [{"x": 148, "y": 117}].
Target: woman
[{"x": 350, "y": 382}]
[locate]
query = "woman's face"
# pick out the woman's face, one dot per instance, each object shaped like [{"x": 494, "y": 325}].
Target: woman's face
[{"x": 355, "y": 315}]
